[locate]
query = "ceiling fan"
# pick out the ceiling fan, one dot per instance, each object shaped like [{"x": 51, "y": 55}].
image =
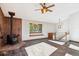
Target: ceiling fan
[{"x": 44, "y": 8}]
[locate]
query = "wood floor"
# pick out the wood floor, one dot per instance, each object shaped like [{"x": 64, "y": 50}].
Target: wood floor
[{"x": 61, "y": 51}]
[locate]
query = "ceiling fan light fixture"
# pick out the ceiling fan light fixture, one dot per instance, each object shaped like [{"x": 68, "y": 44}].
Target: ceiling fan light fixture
[{"x": 45, "y": 8}]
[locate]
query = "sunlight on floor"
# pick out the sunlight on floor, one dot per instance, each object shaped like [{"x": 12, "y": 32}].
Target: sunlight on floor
[{"x": 40, "y": 49}]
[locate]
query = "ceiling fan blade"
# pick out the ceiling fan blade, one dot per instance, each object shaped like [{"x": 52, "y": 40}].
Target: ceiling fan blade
[
  {"x": 51, "y": 6},
  {"x": 41, "y": 4},
  {"x": 49, "y": 10}
]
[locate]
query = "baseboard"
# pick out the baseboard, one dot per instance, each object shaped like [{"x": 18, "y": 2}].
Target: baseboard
[
  {"x": 39, "y": 38},
  {"x": 73, "y": 41},
  {"x": 36, "y": 39}
]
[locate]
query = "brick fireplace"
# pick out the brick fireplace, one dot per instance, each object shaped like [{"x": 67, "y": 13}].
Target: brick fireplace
[
  {"x": 10, "y": 33},
  {"x": 5, "y": 29}
]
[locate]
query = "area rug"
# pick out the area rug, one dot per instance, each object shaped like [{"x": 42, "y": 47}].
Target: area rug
[
  {"x": 40, "y": 49},
  {"x": 57, "y": 42},
  {"x": 67, "y": 54},
  {"x": 74, "y": 47}
]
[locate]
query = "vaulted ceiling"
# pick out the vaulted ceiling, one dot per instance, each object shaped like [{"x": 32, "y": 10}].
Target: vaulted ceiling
[{"x": 27, "y": 11}]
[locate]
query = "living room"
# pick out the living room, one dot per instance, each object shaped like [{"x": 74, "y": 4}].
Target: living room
[{"x": 54, "y": 26}]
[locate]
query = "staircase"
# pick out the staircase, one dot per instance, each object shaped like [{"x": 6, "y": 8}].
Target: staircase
[{"x": 63, "y": 36}]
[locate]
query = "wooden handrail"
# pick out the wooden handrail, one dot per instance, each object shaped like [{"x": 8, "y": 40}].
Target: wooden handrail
[{"x": 64, "y": 35}]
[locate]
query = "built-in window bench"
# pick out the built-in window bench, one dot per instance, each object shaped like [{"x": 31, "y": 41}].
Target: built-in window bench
[{"x": 36, "y": 36}]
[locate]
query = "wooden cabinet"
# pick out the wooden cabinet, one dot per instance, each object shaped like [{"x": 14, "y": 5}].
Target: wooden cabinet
[{"x": 50, "y": 36}]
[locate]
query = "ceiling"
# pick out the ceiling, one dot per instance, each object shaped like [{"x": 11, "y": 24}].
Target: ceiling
[{"x": 27, "y": 11}]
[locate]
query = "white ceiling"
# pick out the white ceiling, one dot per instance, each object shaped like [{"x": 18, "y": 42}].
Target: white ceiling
[{"x": 27, "y": 11}]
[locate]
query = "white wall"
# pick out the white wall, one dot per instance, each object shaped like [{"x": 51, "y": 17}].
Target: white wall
[
  {"x": 74, "y": 26},
  {"x": 47, "y": 27},
  {"x": 25, "y": 30},
  {"x": 71, "y": 25}
]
